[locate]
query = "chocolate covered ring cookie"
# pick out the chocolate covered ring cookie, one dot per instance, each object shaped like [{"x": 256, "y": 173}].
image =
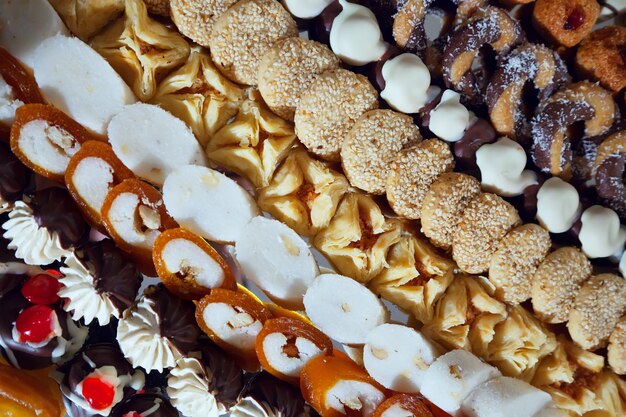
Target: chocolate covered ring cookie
[
  {"x": 584, "y": 101},
  {"x": 610, "y": 168},
  {"x": 244, "y": 33},
  {"x": 565, "y": 22},
  {"x": 194, "y": 18},
  {"x": 601, "y": 57}
]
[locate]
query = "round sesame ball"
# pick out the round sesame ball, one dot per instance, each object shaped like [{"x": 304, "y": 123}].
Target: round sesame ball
[{"x": 195, "y": 18}]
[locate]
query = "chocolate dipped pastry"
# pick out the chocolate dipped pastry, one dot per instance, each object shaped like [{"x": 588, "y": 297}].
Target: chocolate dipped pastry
[
  {"x": 34, "y": 331},
  {"x": 158, "y": 330},
  {"x": 14, "y": 178},
  {"x": 99, "y": 283},
  {"x": 479, "y": 133},
  {"x": 151, "y": 403},
  {"x": 98, "y": 379},
  {"x": 44, "y": 226},
  {"x": 610, "y": 169},
  {"x": 206, "y": 383}
]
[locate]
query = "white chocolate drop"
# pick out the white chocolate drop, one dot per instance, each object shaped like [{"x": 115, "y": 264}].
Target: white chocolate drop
[
  {"x": 306, "y": 9},
  {"x": 232, "y": 325},
  {"x": 291, "y": 366},
  {"x": 184, "y": 256},
  {"x": 406, "y": 83},
  {"x": 357, "y": 395},
  {"x": 450, "y": 118},
  {"x": 558, "y": 205},
  {"x": 601, "y": 234}
]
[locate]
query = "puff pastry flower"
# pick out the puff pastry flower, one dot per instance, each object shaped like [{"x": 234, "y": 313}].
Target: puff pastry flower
[
  {"x": 86, "y": 18},
  {"x": 141, "y": 49}
]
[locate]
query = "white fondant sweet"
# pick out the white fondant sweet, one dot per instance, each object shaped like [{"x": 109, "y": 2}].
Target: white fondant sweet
[
  {"x": 152, "y": 142},
  {"x": 343, "y": 309},
  {"x": 502, "y": 168},
  {"x": 355, "y": 36},
  {"x": 356, "y": 395},
  {"x": 8, "y": 103},
  {"x": 552, "y": 412},
  {"x": 277, "y": 260},
  {"x": 82, "y": 300},
  {"x": 251, "y": 407},
  {"x": 450, "y": 118},
  {"x": 75, "y": 79},
  {"x": 126, "y": 226},
  {"x": 232, "y": 325},
  {"x": 306, "y": 9},
  {"x": 273, "y": 347},
  {"x": 558, "y": 205},
  {"x": 407, "y": 80},
  {"x": 35, "y": 244},
  {"x": 397, "y": 357},
  {"x": 180, "y": 255},
  {"x": 188, "y": 389},
  {"x": 396, "y": 410},
  {"x": 208, "y": 203},
  {"x": 622, "y": 265},
  {"x": 601, "y": 234},
  {"x": 25, "y": 24},
  {"x": 93, "y": 179}
]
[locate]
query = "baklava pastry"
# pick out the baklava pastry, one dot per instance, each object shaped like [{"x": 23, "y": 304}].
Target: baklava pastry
[
  {"x": 44, "y": 139},
  {"x": 198, "y": 94},
  {"x": 90, "y": 175},
  {"x": 141, "y": 49},
  {"x": 617, "y": 348},
  {"x": 233, "y": 320},
  {"x": 304, "y": 193},
  {"x": 86, "y": 18},
  {"x": 253, "y": 144},
  {"x": 415, "y": 278},
  {"x": 134, "y": 215},
  {"x": 189, "y": 266},
  {"x": 358, "y": 238}
]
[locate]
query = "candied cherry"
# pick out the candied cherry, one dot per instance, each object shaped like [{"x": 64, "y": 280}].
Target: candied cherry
[
  {"x": 98, "y": 393},
  {"x": 41, "y": 289},
  {"x": 575, "y": 19},
  {"x": 35, "y": 324}
]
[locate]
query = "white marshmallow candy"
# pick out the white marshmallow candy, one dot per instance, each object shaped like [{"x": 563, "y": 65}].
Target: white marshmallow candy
[
  {"x": 152, "y": 142},
  {"x": 397, "y": 357},
  {"x": 356, "y": 395},
  {"x": 343, "y": 309},
  {"x": 273, "y": 345},
  {"x": 78, "y": 81},
  {"x": 407, "y": 80},
  {"x": 505, "y": 397},
  {"x": 451, "y": 378},
  {"x": 552, "y": 412},
  {"x": 25, "y": 24},
  {"x": 8, "y": 103},
  {"x": 558, "y": 205},
  {"x": 355, "y": 36},
  {"x": 277, "y": 260},
  {"x": 502, "y": 168},
  {"x": 232, "y": 325},
  {"x": 306, "y": 9},
  {"x": 601, "y": 233},
  {"x": 450, "y": 118},
  {"x": 208, "y": 203},
  {"x": 185, "y": 257}
]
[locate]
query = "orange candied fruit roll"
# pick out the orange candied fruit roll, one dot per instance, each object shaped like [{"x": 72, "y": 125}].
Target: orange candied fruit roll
[
  {"x": 25, "y": 394},
  {"x": 232, "y": 320},
  {"x": 23, "y": 83},
  {"x": 292, "y": 329},
  {"x": 411, "y": 403},
  {"x": 189, "y": 281}
]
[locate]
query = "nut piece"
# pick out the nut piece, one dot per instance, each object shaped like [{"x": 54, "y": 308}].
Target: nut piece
[{"x": 565, "y": 22}]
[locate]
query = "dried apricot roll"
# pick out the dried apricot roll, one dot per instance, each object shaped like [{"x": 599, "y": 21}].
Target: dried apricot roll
[
  {"x": 90, "y": 175},
  {"x": 44, "y": 139},
  {"x": 25, "y": 395},
  {"x": 233, "y": 320},
  {"x": 285, "y": 344},
  {"x": 403, "y": 404},
  {"x": 189, "y": 266},
  {"x": 336, "y": 386},
  {"x": 134, "y": 215}
]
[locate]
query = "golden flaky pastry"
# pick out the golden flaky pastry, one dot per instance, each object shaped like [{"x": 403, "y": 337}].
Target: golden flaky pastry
[
  {"x": 466, "y": 315},
  {"x": 253, "y": 145},
  {"x": 86, "y": 18},
  {"x": 304, "y": 193},
  {"x": 416, "y": 277},
  {"x": 141, "y": 49},
  {"x": 358, "y": 238},
  {"x": 198, "y": 94},
  {"x": 617, "y": 348}
]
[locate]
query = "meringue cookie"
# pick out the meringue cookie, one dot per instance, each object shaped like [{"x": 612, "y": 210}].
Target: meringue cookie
[
  {"x": 601, "y": 233},
  {"x": 188, "y": 389},
  {"x": 558, "y": 205},
  {"x": 450, "y": 118},
  {"x": 407, "y": 80}
]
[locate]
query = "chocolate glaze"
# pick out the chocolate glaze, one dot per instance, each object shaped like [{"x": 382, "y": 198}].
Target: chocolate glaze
[
  {"x": 72, "y": 410},
  {"x": 113, "y": 273},
  {"x": 227, "y": 377},
  {"x": 374, "y": 70},
  {"x": 152, "y": 400},
  {"x": 55, "y": 210},
  {"x": 177, "y": 318},
  {"x": 285, "y": 399},
  {"x": 6, "y": 254},
  {"x": 610, "y": 183},
  {"x": 478, "y": 134},
  {"x": 14, "y": 177},
  {"x": 8, "y": 282}
]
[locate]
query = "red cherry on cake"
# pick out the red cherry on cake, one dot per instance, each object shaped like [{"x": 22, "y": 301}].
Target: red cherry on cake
[
  {"x": 54, "y": 273},
  {"x": 36, "y": 324},
  {"x": 41, "y": 289},
  {"x": 98, "y": 393}
]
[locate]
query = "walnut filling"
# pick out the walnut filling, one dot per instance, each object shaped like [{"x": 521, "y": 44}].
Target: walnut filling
[
  {"x": 290, "y": 349},
  {"x": 147, "y": 218},
  {"x": 368, "y": 237}
]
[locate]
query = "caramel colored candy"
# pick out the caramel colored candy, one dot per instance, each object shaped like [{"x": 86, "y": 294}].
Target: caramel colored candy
[
  {"x": 410, "y": 403},
  {"x": 25, "y": 394},
  {"x": 23, "y": 83}
]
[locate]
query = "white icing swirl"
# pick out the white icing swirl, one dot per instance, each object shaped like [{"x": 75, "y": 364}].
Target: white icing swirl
[
  {"x": 355, "y": 36},
  {"x": 67, "y": 348},
  {"x": 450, "y": 118},
  {"x": 34, "y": 244},
  {"x": 5, "y": 206},
  {"x": 250, "y": 407},
  {"x": 188, "y": 388},
  {"x": 558, "y": 205},
  {"x": 502, "y": 168},
  {"x": 306, "y": 9},
  {"x": 8, "y": 103},
  {"x": 140, "y": 339},
  {"x": 406, "y": 83},
  {"x": 83, "y": 301},
  {"x": 601, "y": 234}
]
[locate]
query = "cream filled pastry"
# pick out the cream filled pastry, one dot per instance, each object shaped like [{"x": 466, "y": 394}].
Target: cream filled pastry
[
  {"x": 407, "y": 82},
  {"x": 558, "y": 205},
  {"x": 277, "y": 260},
  {"x": 306, "y": 9},
  {"x": 158, "y": 330},
  {"x": 450, "y": 118},
  {"x": 601, "y": 234}
]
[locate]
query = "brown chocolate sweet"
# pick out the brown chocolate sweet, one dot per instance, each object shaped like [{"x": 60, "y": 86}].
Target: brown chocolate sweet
[
  {"x": 14, "y": 177},
  {"x": 610, "y": 172},
  {"x": 478, "y": 134},
  {"x": 227, "y": 378},
  {"x": 151, "y": 403}
]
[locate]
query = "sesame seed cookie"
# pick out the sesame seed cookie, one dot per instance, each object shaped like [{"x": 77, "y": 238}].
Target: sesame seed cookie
[
  {"x": 597, "y": 310},
  {"x": 288, "y": 69},
  {"x": 617, "y": 348},
  {"x": 556, "y": 283},
  {"x": 244, "y": 33},
  {"x": 328, "y": 110},
  {"x": 444, "y": 204},
  {"x": 195, "y": 18},
  {"x": 412, "y": 173},
  {"x": 515, "y": 262},
  {"x": 159, "y": 7},
  {"x": 372, "y": 145},
  {"x": 487, "y": 219}
]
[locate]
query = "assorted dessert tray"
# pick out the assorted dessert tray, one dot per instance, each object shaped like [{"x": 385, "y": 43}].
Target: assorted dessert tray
[{"x": 213, "y": 207}]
